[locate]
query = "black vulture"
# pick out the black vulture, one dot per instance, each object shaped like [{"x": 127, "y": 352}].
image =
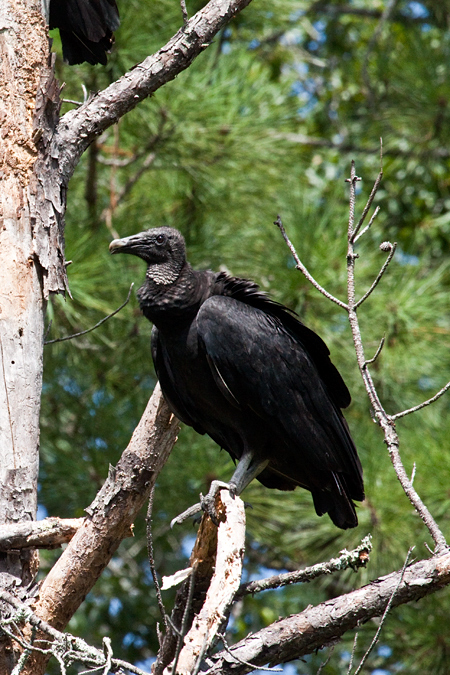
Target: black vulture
[
  {"x": 86, "y": 28},
  {"x": 242, "y": 368}
]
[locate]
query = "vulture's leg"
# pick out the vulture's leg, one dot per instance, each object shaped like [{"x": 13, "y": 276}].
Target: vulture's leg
[
  {"x": 247, "y": 469},
  {"x": 249, "y": 466}
]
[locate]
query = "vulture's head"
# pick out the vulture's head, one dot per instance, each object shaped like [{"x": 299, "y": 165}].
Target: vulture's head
[{"x": 162, "y": 248}]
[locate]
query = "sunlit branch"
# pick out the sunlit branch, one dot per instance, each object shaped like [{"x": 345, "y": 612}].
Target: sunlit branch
[
  {"x": 380, "y": 274},
  {"x": 422, "y": 405},
  {"x": 303, "y": 269}
]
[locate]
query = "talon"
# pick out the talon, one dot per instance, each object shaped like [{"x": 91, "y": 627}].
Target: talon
[{"x": 191, "y": 511}]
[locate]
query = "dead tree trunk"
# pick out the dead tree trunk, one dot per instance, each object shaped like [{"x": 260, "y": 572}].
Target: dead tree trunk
[
  {"x": 38, "y": 154},
  {"x": 27, "y": 270}
]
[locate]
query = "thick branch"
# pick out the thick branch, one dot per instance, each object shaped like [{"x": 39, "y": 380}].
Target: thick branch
[
  {"x": 303, "y": 633},
  {"x": 223, "y": 586},
  {"x": 47, "y": 533},
  {"x": 109, "y": 517},
  {"x": 79, "y": 127}
]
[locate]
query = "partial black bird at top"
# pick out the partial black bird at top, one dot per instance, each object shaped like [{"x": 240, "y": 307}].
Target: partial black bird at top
[
  {"x": 242, "y": 368},
  {"x": 86, "y": 28}
]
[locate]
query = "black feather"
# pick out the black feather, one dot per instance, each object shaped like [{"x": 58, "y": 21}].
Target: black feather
[
  {"x": 242, "y": 368},
  {"x": 86, "y": 28}
]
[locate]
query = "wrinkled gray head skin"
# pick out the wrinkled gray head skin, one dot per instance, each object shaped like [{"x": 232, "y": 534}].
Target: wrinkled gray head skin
[{"x": 162, "y": 248}]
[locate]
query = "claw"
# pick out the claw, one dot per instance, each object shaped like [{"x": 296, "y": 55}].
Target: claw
[
  {"x": 191, "y": 511},
  {"x": 207, "y": 504}
]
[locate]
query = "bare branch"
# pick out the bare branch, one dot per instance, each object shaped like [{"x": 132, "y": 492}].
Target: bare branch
[
  {"x": 367, "y": 207},
  {"x": 78, "y": 128},
  {"x": 302, "y": 268},
  {"x": 109, "y": 519},
  {"x": 377, "y": 353},
  {"x": 422, "y": 405},
  {"x": 223, "y": 586},
  {"x": 47, "y": 533},
  {"x": 380, "y": 273},
  {"x": 89, "y": 330},
  {"x": 359, "y": 557},
  {"x": 315, "y": 627},
  {"x": 384, "y": 420}
]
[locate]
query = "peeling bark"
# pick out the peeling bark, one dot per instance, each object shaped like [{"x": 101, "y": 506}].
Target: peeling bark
[
  {"x": 47, "y": 533},
  {"x": 224, "y": 584},
  {"x": 303, "y": 633},
  {"x": 24, "y": 59},
  {"x": 110, "y": 518}
]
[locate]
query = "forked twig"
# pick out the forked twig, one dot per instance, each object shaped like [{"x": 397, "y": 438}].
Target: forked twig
[
  {"x": 392, "y": 248},
  {"x": 353, "y": 236},
  {"x": 303, "y": 269},
  {"x": 384, "y": 420}
]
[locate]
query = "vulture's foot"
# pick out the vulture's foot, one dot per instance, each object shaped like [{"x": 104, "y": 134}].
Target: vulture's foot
[
  {"x": 191, "y": 511},
  {"x": 208, "y": 501},
  {"x": 207, "y": 504}
]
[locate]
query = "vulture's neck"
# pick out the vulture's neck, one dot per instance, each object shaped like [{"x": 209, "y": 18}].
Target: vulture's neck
[{"x": 169, "y": 302}]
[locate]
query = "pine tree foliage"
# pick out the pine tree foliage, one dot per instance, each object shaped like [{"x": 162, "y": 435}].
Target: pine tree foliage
[{"x": 264, "y": 123}]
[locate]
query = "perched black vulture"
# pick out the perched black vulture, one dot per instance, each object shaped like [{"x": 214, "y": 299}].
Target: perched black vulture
[
  {"x": 243, "y": 369},
  {"x": 86, "y": 28}
]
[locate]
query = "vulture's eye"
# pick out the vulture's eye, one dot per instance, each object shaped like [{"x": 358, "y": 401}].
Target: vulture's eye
[{"x": 160, "y": 239}]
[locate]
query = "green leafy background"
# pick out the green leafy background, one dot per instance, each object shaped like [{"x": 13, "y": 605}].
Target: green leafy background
[{"x": 265, "y": 122}]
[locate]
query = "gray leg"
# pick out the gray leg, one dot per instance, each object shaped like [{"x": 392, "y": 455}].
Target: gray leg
[{"x": 247, "y": 469}]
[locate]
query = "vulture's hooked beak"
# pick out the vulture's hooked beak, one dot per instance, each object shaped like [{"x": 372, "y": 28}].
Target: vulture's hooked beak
[
  {"x": 118, "y": 245},
  {"x": 134, "y": 245}
]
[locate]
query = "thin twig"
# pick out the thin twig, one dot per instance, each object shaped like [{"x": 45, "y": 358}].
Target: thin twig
[
  {"x": 184, "y": 11},
  {"x": 352, "y": 655},
  {"x": 380, "y": 274},
  {"x": 325, "y": 663},
  {"x": 366, "y": 209},
  {"x": 184, "y": 621},
  {"x": 421, "y": 405},
  {"x": 383, "y": 618},
  {"x": 246, "y": 663},
  {"x": 353, "y": 559},
  {"x": 302, "y": 268},
  {"x": 368, "y": 226},
  {"x": 105, "y": 318},
  {"x": 377, "y": 353},
  {"x": 151, "y": 559}
]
